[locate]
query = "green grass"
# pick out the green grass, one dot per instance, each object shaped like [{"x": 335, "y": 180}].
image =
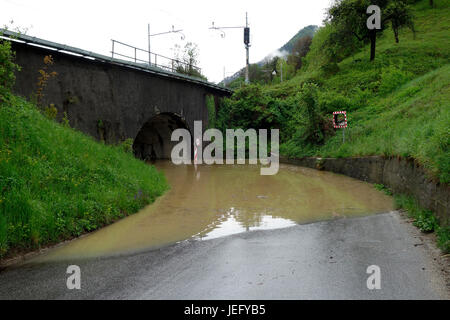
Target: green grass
[
  {"x": 398, "y": 105},
  {"x": 383, "y": 188},
  {"x": 57, "y": 183},
  {"x": 425, "y": 220},
  {"x": 413, "y": 121}
]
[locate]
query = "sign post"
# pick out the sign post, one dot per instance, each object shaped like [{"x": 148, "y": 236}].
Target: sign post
[{"x": 340, "y": 122}]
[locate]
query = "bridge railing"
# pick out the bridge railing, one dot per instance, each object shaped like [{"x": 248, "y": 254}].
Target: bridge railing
[
  {"x": 138, "y": 55},
  {"x": 18, "y": 37}
]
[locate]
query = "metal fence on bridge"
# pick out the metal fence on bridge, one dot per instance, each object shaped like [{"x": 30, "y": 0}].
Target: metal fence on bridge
[
  {"x": 138, "y": 55},
  {"x": 139, "y": 64}
]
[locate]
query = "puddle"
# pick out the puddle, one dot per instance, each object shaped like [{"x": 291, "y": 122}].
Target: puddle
[
  {"x": 231, "y": 225},
  {"x": 217, "y": 201}
]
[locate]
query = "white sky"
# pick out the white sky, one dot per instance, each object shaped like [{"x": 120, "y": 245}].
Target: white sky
[{"x": 90, "y": 25}]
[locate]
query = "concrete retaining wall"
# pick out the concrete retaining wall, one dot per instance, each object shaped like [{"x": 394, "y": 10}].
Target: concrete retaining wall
[{"x": 402, "y": 176}]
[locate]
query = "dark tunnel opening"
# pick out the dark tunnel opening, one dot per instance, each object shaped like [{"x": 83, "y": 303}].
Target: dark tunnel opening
[{"x": 153, "y": 140}]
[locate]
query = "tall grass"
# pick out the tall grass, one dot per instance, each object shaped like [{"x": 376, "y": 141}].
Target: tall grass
[
  {"x": 397, "y": 105},
  {"x": 425, "y": 220},
  {"x": 413, "y": 122},
  {"x": 57, "y": 183}
]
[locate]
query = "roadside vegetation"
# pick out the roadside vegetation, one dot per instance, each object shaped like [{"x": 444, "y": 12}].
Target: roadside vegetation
[
  {"x": 422, "y": 219},
  {"x": 396, "y": 97},
  {"x": 55, "y": 182}
]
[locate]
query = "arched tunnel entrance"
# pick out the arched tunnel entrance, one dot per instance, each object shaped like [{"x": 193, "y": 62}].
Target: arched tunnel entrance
[{"x": 153, "y": 140}]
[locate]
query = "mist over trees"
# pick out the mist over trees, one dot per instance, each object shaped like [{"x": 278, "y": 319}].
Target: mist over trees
[
  {"x": 288, "y": 57},
  {"x": 269, "y": 70}
]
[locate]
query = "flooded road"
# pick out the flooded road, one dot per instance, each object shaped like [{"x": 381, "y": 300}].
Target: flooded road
[{"x": 216, "y": 201}]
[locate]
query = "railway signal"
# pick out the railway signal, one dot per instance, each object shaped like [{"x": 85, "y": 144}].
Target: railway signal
[{"x": 246, "y": 42}]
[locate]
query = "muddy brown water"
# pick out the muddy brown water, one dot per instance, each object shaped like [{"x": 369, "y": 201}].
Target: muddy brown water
[{"x": 220, "y": 200}]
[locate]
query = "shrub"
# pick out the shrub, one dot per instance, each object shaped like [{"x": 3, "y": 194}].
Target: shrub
[
  {"x": 392, "y": 78},
  {"x": 51, "y": 111},
  {"x": 45, "y": 76},
  {"x": 127, "y": 145},
  {"x": 7, "y": 68},
  {"x": 443, "y": 236}
]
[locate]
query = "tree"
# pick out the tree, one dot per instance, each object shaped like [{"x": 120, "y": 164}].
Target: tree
[
  {"x": 269, "y": 67},
  {"x": 284, "y": 71},
  {"x": 300, "y": 49},
  {"x": 349, "y": 19},
  {"x": 187, "y": 61},
  {"x": 399, "y": 13},
  {"x": 7, "y": 67},
  {"x": 255, "y": 73}
]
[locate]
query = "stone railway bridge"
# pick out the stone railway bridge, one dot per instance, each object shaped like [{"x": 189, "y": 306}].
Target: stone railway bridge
[{"x": 112, "y": 99}]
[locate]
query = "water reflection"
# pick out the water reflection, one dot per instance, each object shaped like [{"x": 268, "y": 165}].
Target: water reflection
[
  {"x": 235, "y": 222},
  {"x": 217, "y": 201}
]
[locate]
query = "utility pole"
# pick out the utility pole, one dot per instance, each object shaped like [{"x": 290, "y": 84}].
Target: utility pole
[
  {"x": 281, "y": 62},
  {"x": 281, "y": 70},
  {"x": 149, "y": 51},
  {"x": 246, "y": 42},
  {"x": 247, "y": 47},
  {"x": 281, "y": 66},
  {"x": 157, "y": 34}
]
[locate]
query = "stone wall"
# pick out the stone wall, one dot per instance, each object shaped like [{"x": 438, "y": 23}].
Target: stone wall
[{"x": 402, "y": 176}]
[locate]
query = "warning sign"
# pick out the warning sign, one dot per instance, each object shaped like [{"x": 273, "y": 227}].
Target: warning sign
[{"x": 340, "y": 119}]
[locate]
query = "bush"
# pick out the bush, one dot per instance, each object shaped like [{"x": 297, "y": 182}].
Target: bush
[
  {"x": 51, "y": 112},
  {"x": 392, "y": 78},
  {"x": 7, "y": 68},
  {"x": 425, "y": 220},
  {"x": 330, "y": 101},
  {"x": 127, "y": 145},
  {"x": 443, "y": 236}
]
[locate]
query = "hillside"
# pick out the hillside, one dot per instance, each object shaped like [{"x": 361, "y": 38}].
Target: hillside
[
  {"x": 403, "y": 94},
  {"x": 286, "y": 48},
  {"x": 306, "y": 31},
  {"x": 397, "y": 105},
  {"x": 57, "y": 183},
  {"x": 400, "y": 103}
]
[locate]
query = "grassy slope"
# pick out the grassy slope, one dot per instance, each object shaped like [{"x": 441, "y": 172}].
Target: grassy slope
[
  {"x": 412, "y": 121},
  {"x": 57, "y": 183},
  {"x": 398, "y": 104}
]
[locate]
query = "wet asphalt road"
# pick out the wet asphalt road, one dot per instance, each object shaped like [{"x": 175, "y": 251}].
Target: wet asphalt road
[{"x": 325, "y": 260}]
